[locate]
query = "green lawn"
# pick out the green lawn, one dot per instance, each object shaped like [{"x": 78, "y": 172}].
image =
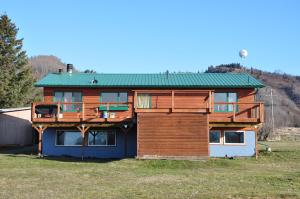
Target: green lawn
[{"x": 275, "y": 175}]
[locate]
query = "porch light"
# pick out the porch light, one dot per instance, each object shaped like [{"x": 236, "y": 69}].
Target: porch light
[{"x": 125, "y": 126}]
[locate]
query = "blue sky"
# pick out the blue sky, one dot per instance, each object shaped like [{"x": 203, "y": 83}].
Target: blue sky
[{"x": 154, "y": 36}]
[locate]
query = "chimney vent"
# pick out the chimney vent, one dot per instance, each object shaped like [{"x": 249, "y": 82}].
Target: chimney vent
[{"x": 69, "y": 68}]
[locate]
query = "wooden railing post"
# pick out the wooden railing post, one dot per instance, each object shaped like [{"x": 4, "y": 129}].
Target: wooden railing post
[
  {"x": 83, "y": 111},
  {"x": 58, "y": 111},
  {"x": 234, "y": 104},
  {"x": 135, "y": 99},
  {"x": 209, "y": 101},
  {"x": 173, "y": 103}
]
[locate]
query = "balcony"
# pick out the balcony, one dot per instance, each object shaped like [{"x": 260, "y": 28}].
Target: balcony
[
  {"x": 80, "y": 112},
  {"x": 237, "y": 112},
  {"x": 150, "y": 101}
]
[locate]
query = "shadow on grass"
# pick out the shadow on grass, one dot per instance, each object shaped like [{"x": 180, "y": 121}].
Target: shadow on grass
[
  {"x": 79, "y": 160},
  {"x": 21, "y": 150},
  {"x": 64, "y": 158},
  {"x": 30, "y": 152}
]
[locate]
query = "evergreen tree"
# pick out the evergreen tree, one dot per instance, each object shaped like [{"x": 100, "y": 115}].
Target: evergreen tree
[{"x": 16, "y": 80}]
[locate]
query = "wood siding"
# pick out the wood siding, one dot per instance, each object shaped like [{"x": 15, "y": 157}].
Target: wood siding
[
  {"x": 181, "y": 100},
  {"x": 175, "y": 134}
]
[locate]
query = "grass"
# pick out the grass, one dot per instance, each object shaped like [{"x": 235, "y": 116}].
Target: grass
[{"x": 273, "y": 175}]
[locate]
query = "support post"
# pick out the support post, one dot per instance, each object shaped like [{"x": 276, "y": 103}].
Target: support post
[
  {"x": 256, "y": 145},
  {"x": 125, "y": 131},
  {"x": 83, "y": 129},
  {"x": 40, "y": 129}
]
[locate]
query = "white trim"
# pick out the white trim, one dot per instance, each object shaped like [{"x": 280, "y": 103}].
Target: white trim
[
  {"x": 65, "y": 131},
  {"x": 218, "y": 143},
  {"x": 109, "y": 130},
  {"x": 244, "y": 133}
]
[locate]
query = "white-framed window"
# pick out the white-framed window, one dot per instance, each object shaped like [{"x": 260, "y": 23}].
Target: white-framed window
[
  {"x": 215, "y": 137},
  {"x": 68, "y": 138},
  {"x": 102, "y": 138},
  {"x": 234, "y": 137}
]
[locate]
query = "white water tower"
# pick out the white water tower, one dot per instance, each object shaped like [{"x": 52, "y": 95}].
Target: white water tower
[{"x": 243, "y": 53}]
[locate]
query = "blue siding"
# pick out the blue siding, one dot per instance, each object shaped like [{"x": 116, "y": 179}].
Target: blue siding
[
  {"x": 117, "y": 151},
  {"x": 221, "y": 150}
]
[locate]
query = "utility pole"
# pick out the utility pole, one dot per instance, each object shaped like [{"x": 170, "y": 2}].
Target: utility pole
[{"x": 272, "y": 109}]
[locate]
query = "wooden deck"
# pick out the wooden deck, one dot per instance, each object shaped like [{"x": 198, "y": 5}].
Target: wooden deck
[{"x": 162, "y": 101}]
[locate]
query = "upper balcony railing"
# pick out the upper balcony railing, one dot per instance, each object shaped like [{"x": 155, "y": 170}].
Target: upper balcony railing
[
  {"x": 251, "y": 112},
  {"x": 145, "y": 101},
  {"x": 80, "y": 112}
]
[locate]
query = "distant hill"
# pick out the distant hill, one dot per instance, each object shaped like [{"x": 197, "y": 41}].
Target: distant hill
[
  {"x": 286, "y": 91},
  {"x": 44, "y": 64}
]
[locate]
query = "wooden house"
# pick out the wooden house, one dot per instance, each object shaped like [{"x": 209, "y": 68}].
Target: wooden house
[{"x": 181, "y": 116}]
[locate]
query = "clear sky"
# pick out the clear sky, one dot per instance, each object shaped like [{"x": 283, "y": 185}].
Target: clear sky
[{"x": 158, "y": 35}]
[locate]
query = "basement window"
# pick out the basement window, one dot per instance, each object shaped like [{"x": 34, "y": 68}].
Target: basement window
[
  {"x": 102, "y": 138},
  {"x": 234, "y": 137},
  {"x": 68, "y": 138},
  {"x": 215, "y": 137}
]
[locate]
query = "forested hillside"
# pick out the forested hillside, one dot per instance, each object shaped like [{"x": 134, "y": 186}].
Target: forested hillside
[
  {"x": 286, "y": 91},
  {"x": 44, "y": 64}
]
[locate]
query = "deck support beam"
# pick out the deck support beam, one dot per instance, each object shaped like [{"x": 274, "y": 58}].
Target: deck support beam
[
  {"x": 125, "y": 129},
  {"x": 40, "y": 129},
  {"x": 83, "y": 129}
]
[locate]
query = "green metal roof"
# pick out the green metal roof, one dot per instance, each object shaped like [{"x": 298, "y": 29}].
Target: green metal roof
[{"x": 163, "y": 80}]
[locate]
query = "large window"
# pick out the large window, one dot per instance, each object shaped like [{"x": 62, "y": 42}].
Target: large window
[
  {"x": 68, "y": 138},
  {"x": 102, "y": 138},
  {"x": 115, "y": 97},
  {"x": 215, "y": 137},
  {"x": 60, "y": 96},
  {"x": 221, "y": 98},
  {"x": 234, "y": 137}
]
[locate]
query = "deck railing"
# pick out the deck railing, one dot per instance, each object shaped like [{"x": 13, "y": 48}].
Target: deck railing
[
  {"x": 238, "y": 112},
  {"x": 80, "y": 111},
  {"x": 165, "y": 102}
]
